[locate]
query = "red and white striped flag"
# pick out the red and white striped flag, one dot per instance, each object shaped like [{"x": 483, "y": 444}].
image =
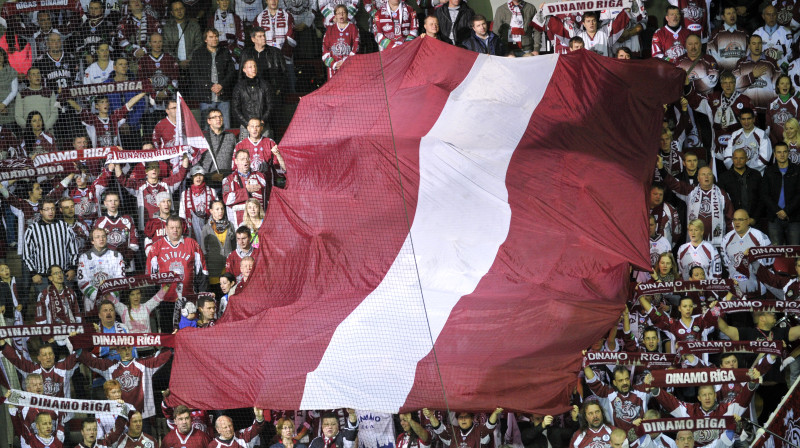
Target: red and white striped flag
[
  {"x": 458, "y": 228},
  {"x": 193, "y": 136}
]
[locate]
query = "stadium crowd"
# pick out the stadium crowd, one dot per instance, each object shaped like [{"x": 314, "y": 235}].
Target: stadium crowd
[{"x": 727, "y": 180}]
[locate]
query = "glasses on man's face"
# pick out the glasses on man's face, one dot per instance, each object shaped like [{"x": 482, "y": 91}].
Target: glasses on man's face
[{"x": 215, "y": 117}]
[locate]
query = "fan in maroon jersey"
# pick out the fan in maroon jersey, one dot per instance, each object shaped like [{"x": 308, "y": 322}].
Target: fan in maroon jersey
[
  {"x": 594, "y": 432},
  {"x": 228, "y": 438},
  {"x": 185, "y": 435}
]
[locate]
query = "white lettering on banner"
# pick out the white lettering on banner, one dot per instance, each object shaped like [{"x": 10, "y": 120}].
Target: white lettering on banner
[
  {"x": 36, "y": 330},
  {"x": 689, "y": 424},
  {"x": 583, "y": 5},
  {"x": 101, "y": 89}
]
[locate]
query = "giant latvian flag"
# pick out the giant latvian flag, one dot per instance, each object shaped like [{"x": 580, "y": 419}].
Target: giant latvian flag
[{"x": 456, "y": 228}]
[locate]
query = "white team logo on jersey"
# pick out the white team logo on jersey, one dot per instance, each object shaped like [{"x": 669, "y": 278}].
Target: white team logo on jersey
[
  {"x": 50, "y": 387},
  {"x": 792, "y": 425},
  {"x": 115, "y": 238},
  {"x": 675, "y": 51},
  {"x": 150, "y": 198},
  {"x": 706, "y": 436},
  {"x": 84, "y": 207},
  {"x": 626, "y": 410},
  {"x": 128, "y": 381},
  {"x": 340, "y": 48},
  {"x": 695, "y": 14},
  {"x": 794, "y": 156},
  {"x": 774, "y": 52}
]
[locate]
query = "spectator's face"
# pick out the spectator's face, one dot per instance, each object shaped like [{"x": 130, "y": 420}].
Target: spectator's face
[
  {"x": 673, "y": 17},
  {"x": 755, "y": 46},
  {"x": 46, "y": 357},
  {"x": 287, "y": 430},
  {"x": 112, "y": 203},
  {"x": 135, "y": 428},
  {"x": 770, "y": 16},
  {"x": 45, "y": 24},
  {"x": 208, "y": 311},
  {"x": 243, "y": 161},
  {"x": 44, "y": 425},
  {"x": 622, "y": 381},
  {"x": 250, "y": 70},
  {"x": 255, "y": 129},
  {"x": 184, "y": 422},
  {"x": 36, "y": 194},
  {"x": 89, "y": 433},
  {"x": 656, "y": 197},
  {"x": 37, "y": 124},
  {"x": 135, "y": 298},
  {"x": 685, "y": 439},
  {"x": 781, "y": 154},
  {"x": 695, "y": 234},
  {"x": 728, "y": 85},
  {"x": 215, "y": 121},
  {"x": 178, "y": 11},
  {"x": 464, "y": 420},
  {"x": 67, "y": 209},
  {"x": 80, "y": 143},
  {"x": 272, "y": 4},
  {"x": 107, "y": 315},
  {"x": 431, "y": 25},
  {"x": 616, "y": 442},
  {"x": 243, "y": 241},
  {"x": 225, "y": 428},
  {"x": 54, "y": 43},
  {"x": 693, "y": 46},
  {"x": 664, "y": 265},
  {"x": 575, "y": 46},
  {"x": 622, "y": 55},
  {"x": 690, "y": 162},
  {"x": 479, "y": 26},
  {"x": 198, "y": 179},
  {"x": 56, "y": 276},
  {"x": 5, "y": 272},
  {"x": 102, "y": 106},
  {"x": 80, "y": 181},
  {"x": 704, "y": 177},
  {"x": 253, "y": 209},
  {"x": 697, "y": 274},
  {"x": 225, "y": 285},
  {"x": 172, "y": 110},
  {"x": 247, "y": 268},
  {"x": 102, "y": 52},
  {"x": 706, "y": 396},
  {"x": 156, "y": 41},
  {"x": 666, "y": 142},
  {"x": 125, "y": 353},
  {"x": 729, "y": 16},
  {"x": 165, "y": 206},
  {"x": 730, "y": 362},
  {"x": 212, "y": 40},
  {"x": 653, "y": 227},
  {"x": 594, "y": 416},
  {"x": 340, "y": 16},
  {"x": 259, "y": 40},
  {"x": 330, "y": 427},
  {"x": 590, "y": 23},
  {"x": 114, "y": 394},
  {"x": 650, "y": 340},
  {"x": 217, "y": 211},
  {"x": 35, "y": 77},
  {"x": 136, "y": 6},
  {"x": 748, "y": 121},
  {"x": 48, "y": 212},
  {"x": 174, "y": 230},
  {"x": 99, "y": 239},
  {"x": 686, "y": 307},
  {"x": 739, "y": 159},
  {"x": 223, "y": 4},
  {"x": 34, "y": 385},
  {"x": 95, "y": 9},
  {"x": 784, "y": 85}
]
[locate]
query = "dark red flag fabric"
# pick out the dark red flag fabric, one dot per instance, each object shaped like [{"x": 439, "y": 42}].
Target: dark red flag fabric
[{"x": 458, "y": 228}]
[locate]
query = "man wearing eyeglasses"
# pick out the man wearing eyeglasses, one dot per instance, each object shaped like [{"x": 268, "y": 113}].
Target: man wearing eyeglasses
[{"x": 221, "y": 142}]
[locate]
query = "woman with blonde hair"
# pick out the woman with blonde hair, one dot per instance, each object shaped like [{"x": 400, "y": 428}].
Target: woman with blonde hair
[
  {"x": 698, "y": 252},
  {"x": 791, "y": 136},
  {"x": 253, "y": 217}
]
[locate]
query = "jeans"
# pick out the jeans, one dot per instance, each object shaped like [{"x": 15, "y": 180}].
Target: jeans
[
  {"x": 784, "y": 232},
  {"x": 223, "y": 106}
]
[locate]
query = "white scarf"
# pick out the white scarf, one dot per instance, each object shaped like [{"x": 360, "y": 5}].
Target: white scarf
[
  {"x": 516, "y": 25},
  {"x": 717, "y": 208}
]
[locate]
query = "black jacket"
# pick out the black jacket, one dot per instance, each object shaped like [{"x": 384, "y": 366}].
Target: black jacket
[
  {"x": 252, "y": 98},
  {"x": 493, "y": 46},
  {"x": 732, "y": 183},
  {"x": 200, "y": 72},
  {"x": 463, "y": 25},
  {"x": 271, "y": 65},
  {"x": 771, "y": 191}
]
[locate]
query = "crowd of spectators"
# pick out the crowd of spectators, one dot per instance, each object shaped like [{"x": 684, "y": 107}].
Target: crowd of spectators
[{"x": 727, "y": 180}]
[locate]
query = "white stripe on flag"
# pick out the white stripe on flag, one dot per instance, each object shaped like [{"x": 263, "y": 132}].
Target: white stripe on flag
[{"x": 462, "y": 218}]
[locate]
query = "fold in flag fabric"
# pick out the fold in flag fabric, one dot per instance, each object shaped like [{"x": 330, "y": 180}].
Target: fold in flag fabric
[
  {"x": 458, "y": 228},
  {"x": 188, "y": 131}
]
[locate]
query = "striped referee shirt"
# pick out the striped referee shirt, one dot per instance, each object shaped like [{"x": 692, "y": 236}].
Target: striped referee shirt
[{"x": 47, "y": 244}]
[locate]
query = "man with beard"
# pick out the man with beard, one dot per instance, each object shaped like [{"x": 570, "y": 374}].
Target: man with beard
[
  {"x": 228, "y": 438},
  {"x": 621, "y": 402},
  {"x": 471, "y": 435},
  {"x": 594, "y": 429},
  {"x": 184, "y": 435}
]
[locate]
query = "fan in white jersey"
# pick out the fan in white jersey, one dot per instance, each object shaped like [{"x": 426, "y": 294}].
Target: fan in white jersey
[
  {"x": 100, "y": 70},
  {"x": 656, "y": 439},
  {"x": 698, "y": 253},
  {"x": 658, "y": 245},
  {"x": 735, "y": 246}
]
